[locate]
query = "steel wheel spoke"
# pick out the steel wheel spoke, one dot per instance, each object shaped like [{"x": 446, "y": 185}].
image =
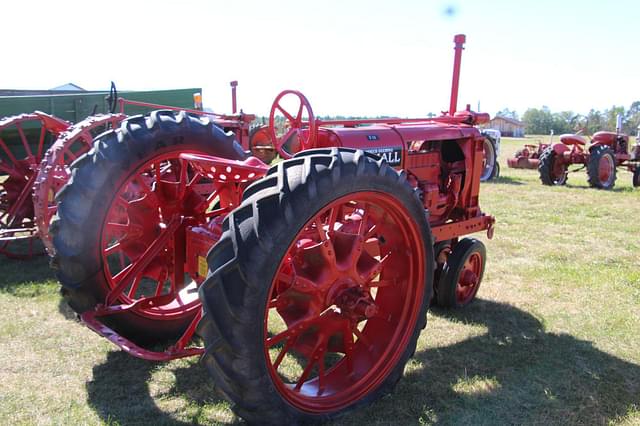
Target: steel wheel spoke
[
  {"x": 8, "y": 152},
  {"x": 43, "y": 132},
  {"x": 318, "y": 352},
  {"x": 299, "y": 115},
  {"x": 286, "y": 114},
  {"x": 25, "y": 143},
  {"x": 287, "y": 346}
]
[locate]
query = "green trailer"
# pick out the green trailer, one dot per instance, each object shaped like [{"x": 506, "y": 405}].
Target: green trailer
[
  {"x": 25, "y": 136},
  {"x": 74, "y": 106}
]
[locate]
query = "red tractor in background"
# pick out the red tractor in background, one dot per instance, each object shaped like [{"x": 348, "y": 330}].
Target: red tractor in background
[
  {"x": 323, "y": 266},
  {"x": 606, "y": 152}
]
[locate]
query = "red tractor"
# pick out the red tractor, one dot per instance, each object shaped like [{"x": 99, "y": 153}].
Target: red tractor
[
  {"x": 606, "y": 152},
  {"x": 308, "y": 281}
]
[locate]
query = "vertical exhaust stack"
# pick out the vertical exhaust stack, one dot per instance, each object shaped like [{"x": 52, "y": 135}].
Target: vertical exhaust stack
[
  {"x": 234, "y": 104},
  {"x": 459, "y": 40},
  {"x": 619, "y": 123}
]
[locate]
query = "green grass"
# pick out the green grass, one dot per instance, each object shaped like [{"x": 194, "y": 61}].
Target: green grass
[{"x": 554, "y": 336}]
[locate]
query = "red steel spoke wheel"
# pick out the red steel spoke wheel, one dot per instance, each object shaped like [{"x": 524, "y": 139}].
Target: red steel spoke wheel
[
  {"x": 330, "y": 324},
  {"x": 553, "y": 171},
  {"x": 300, "y": 124},
  {"x": 23, "y": 139},
  {"x": 54, "y": 171},
  {"x": 601, "y": 167},
  {"x": 120, "y": 229},
  {"x": 462, "y": 274}
]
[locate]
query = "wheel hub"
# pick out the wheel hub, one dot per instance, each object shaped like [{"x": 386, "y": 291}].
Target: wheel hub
[{"x": 468, "y": 278}]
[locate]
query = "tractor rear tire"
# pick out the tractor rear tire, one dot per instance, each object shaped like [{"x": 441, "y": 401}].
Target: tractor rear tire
[
  {"x": 601, "y": 168},
  {"x": 84, "y": 204},
  {"x": 462, "y": 274},
  {"x": 636, "y": 176},
  {"x": 490, "y": 159},
  {"x": 550, "y": 173},
  {"x": 283, "y": 213},
  {"x": 496, "y": 172}
]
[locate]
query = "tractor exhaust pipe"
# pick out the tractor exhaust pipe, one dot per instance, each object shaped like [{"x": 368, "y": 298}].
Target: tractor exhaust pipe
[
  {"x": 234, "y": 104},
  {"x": 459, "y": 40}
]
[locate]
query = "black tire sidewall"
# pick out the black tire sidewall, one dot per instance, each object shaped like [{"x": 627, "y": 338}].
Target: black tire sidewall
[{"x": 453, "y": 267}]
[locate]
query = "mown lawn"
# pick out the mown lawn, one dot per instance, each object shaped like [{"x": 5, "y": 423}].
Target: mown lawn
[{"x": 553, "y": 338}]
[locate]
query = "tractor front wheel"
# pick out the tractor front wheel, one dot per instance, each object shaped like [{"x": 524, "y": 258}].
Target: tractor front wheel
[
  {"x": 462, "y": 274},
  {"x": 552, "y": 170},
  {"x": 119, "y": 231},
  {"x": 601, "y": 168},
  {"x": 318, "y": 289}
]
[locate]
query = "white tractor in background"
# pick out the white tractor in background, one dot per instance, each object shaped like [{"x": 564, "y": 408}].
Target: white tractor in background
[{"x": 491, "y": 169}]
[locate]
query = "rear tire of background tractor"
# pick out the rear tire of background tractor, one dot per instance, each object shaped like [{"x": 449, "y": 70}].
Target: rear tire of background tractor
[
  {"x": 496, "y": 172},
  {"x": 550, "y": 172},
  {"x": 286, "y": 261},
  {"x": 490, "y": 159},
  {"x": 636, "y": 177},
  {"x": 462, "y": 274},
  {"x": 601, "y": 168},
  {"x": 114, "y": 175}
]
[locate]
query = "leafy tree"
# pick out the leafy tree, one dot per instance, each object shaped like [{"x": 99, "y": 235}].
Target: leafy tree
[
  {"x": 538, "y": 121},
  {"x": 506, "y": 112}
]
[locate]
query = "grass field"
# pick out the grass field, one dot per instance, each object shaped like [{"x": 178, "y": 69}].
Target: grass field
[{"x": 554, "y": 337}]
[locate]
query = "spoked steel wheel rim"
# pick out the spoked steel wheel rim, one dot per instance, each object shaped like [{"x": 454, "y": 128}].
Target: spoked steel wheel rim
[
  {"x": 143, "y": 237},
  {"x": 32, "y": 134},
  {"x": 469, "y": 279},
  {"x": 344, "y": 302},
  {"x": 54, "y": 171},
  {"x": 558, "y": 172}
]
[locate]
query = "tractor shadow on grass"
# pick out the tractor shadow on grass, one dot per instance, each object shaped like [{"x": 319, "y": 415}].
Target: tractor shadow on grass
[
  {"x": 514, "y": 373},
  {"x": 120, "y": 391},
  {"x": 504, "y": 180},
  {"x": 590, "y": 188}
]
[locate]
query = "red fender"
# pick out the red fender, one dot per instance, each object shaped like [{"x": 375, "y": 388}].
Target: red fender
[
  {"x": 560, "y": 147},
  {"x": 572, "y": 139}
]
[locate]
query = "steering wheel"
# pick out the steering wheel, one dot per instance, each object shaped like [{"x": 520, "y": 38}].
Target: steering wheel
[{"x": 300, "y": 134}]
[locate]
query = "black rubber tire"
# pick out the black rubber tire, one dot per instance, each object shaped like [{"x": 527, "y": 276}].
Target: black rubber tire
[
  {"x": 496, "y": 171},
  {"x": 545, "y": 168},
  {"x": 486, "y": 175},
  {"x": 84, "y": 202},
  {"x": 636, "y": 177},
  {"x": 256, "y": 236},
  {"x": 446, "y": 285},
  {"x": 593, "y": 174}
]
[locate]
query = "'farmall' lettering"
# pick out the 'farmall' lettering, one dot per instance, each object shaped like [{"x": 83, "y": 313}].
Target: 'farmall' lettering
[{"x": 393, "y": 155}]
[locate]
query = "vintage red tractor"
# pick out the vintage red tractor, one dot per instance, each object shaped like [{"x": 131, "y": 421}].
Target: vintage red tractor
[
  {"x": 314, "y": 294},
  {"x": 606, "y": 152}
]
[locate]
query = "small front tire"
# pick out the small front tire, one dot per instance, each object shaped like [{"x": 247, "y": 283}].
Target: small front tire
[{"x": 462, "y": 274}]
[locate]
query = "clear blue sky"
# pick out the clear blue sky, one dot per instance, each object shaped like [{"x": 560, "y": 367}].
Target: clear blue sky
[{"x": 348, "y": 57}]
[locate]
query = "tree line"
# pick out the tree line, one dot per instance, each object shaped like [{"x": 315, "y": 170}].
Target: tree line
[{"x": 540, "y": 121}]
